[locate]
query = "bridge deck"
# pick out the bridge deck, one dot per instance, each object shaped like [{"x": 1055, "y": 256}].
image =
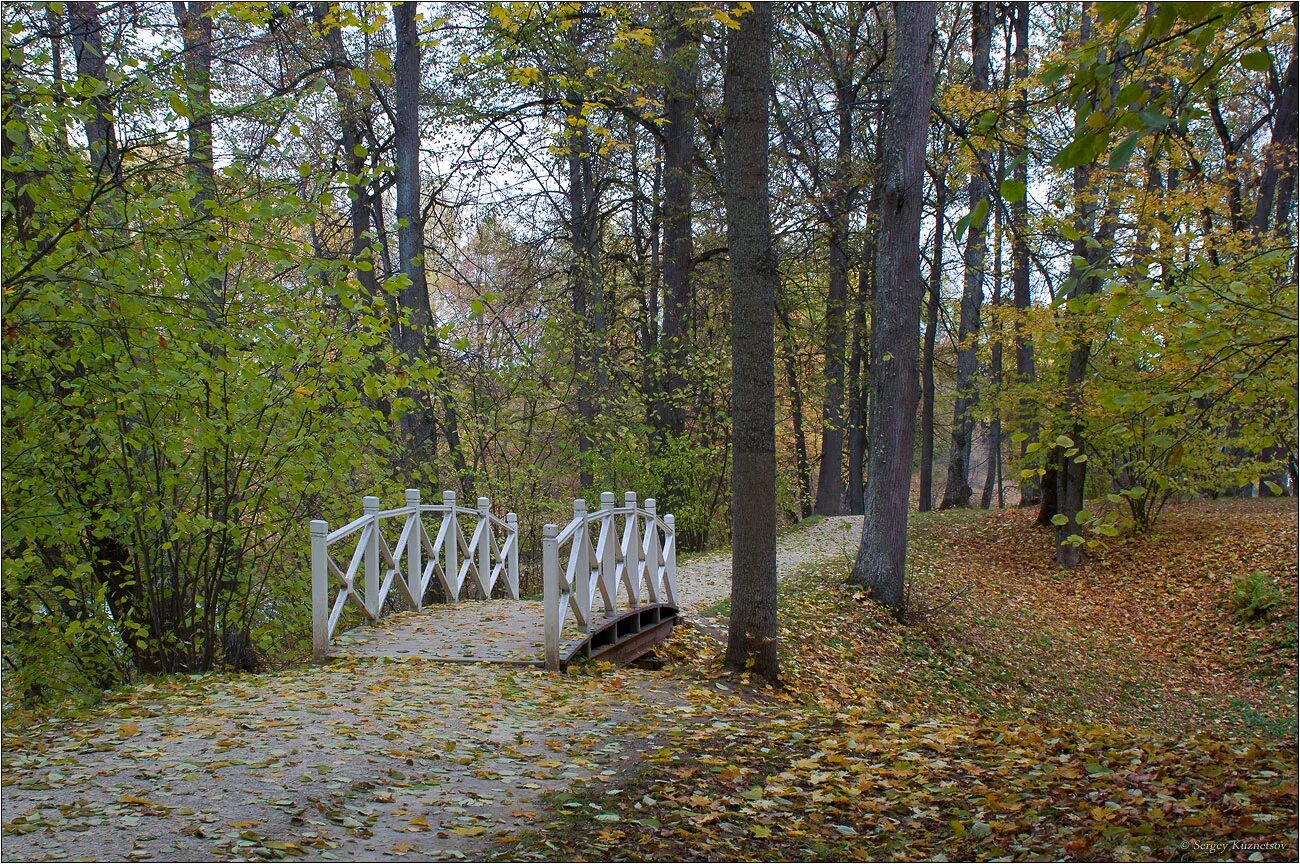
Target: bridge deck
[{"x": 474, "y": 631}]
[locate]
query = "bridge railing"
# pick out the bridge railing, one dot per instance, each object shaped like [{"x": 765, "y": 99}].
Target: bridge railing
[
  {"x": 628, "y": 552},
  {"x": 431, "y": 545}
]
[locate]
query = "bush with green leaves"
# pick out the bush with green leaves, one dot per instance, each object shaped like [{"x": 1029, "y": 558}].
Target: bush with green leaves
[
  {"x": 1255, "y": 597},
  {"x": 184, "y": 388}
]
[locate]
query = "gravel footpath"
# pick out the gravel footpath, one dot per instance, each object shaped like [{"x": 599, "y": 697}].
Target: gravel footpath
[{"x": 704, "y": 579}]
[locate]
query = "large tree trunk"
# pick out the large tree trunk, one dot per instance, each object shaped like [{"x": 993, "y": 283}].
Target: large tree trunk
[
  {"x": 681, "y": 57},
  {"x": 1030, "y": 491},
  {"x": 195, "y": 20},
  {"x": 896, "y": 307},
  {"x": 957, "y": 492},
  {"x": 1071, "y": 469},
  {"x": 196, "y": 34},
  {"x": 993, "y": 465},
  {"x": 752, "y": 633},
  {"x": 647, "y": 324},
  {"x": 413, "y": 299},
  {"x": 927, "y": 355},
  {"x": 54, "y": 15},
  {"x": 113, "y": 561},
  {"x": 1047, "y": 497},
  {"x": 832, "y": 494}
]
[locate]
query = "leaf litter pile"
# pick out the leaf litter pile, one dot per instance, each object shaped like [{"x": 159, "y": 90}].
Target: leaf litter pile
[
  {"x": 1119, "y": 712},
  {"x": 1125, "y": 710}
]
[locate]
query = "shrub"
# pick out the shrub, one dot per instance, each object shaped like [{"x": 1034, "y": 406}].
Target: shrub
[{"x": 1254, "y": 596}]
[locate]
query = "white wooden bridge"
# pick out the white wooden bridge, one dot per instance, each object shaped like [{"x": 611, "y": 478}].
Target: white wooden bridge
[{"x": 609, "y": 584}]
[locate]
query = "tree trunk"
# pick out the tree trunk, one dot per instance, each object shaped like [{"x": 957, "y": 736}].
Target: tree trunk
[
  {"x": 957, "y": 492},
  {"x": 681, "y": 56},
  {"x": 1047, "y": 498},
  {"x": 858, "y": 393},
  {"x": 196, "y": 33},
  {"x": 579, "y": 160},
  {"x": 895, "y": 309},
  {"x": 832, "y": 494},
  {"x": 88, "y": 50},
  {"x": 1071, "y": 471},
  {"x": 1030, "y": 492},
  {"x": 803, "y": 472},
  {"x": 113, "y": 562},
  {"x": 413, "y": 299},
  {"x": 1277, "y": 184},
  {"x": 54, "y": 16},
  {"x": 359, "y": 206},
  {"x": 992, "y": 474},
  {"x": 752, "y": 633},
  {"x": 927, "y": 356},
  {"x": 418, "y": 337}
]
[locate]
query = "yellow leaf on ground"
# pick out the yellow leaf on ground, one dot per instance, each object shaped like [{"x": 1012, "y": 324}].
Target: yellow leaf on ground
[{"x": 469, "y": 832}]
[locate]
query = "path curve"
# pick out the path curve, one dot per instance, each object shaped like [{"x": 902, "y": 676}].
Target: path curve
[
  {"x": 705, "y": 579},
  {"x": 356, "y": 760}
]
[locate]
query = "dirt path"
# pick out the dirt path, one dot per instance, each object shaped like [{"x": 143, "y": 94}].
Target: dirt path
[
  {"x": 357, "y": 760},
  {"x": 705, "y": 579}
]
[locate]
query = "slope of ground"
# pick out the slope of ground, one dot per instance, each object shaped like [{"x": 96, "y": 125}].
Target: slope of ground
[
  {"x": 356, "y": 760},
  {"x": 1118, "y": 711}
]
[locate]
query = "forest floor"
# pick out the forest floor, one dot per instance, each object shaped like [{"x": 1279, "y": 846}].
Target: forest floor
[{"x": 1122, "y": 710}]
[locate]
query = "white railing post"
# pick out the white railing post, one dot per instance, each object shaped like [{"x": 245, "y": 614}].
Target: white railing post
[
  {"x": 414, "y": 559},
  {"x": 320, "y": 591},
  {"x": 633, "y": 554},
  {"x": 451, "y": 545},
  {"x": 608, "y": 555},
  {"x": 484, "y": 551},
  {"x": 670, "y": 564},
  {"x": 512, "y": 560},
  {"x": 551, "y": 599},
  {"x": 582, "y": 555},
  {"x": 650, "y": 547},
  {"x": 370, "y": 507}
]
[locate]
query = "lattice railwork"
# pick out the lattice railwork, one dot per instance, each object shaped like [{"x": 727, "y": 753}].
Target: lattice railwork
[
  {"x": 615, "y": 553},
  {"x": 411, "y": 562}
]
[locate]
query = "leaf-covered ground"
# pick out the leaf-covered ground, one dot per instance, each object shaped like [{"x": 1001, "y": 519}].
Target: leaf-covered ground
[
  {"x": 1118, "y": 711},
  {"x": 357, "y": 760}
]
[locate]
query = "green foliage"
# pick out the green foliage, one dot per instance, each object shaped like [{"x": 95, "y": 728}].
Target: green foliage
[
  {"x": 183, "y": 390},
  {"x": 1190, "y": 336},
  {"x": 1255, "y": 597},
  {"x": 1104, "y": 112}
]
